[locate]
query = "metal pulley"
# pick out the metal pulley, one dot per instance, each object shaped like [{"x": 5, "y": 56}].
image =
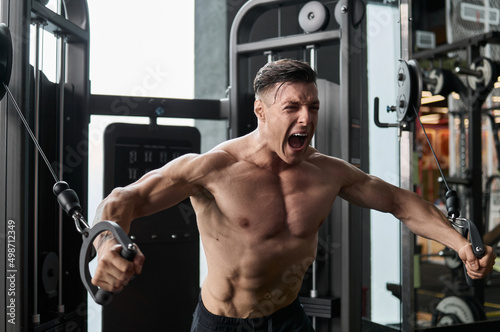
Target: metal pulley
[
  {"x": 409, "y": 80},
  {"x": 313, "y": 17},
  {"x": 409, "y": 90}
]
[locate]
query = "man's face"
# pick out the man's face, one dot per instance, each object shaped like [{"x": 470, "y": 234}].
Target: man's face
[{"x": 289, "y": 118}]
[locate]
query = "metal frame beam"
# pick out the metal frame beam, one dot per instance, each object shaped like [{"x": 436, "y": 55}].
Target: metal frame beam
[
  {"x": 159, "y": 107},
  {"x": 406, "y": 171},
  {"x": 240, "y": 48},
  {"x": 351, "y": 119}
]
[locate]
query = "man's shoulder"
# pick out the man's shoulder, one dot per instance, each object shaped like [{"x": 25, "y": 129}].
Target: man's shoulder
[
  {"x": 230, "y": 151},
  {"x": 219, "y": 157},
  {"x": 322, "y": 160}
]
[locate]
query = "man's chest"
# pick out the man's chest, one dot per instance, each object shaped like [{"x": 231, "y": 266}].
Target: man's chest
[{"x": 267, "y": 204}]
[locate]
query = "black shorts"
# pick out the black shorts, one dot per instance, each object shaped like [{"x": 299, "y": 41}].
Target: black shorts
[{"x": 291, "y": 318}]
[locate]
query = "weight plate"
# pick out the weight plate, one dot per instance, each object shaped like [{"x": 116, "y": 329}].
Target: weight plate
[
  {"x": 485, "y": 66},
  {"x": 483, "y": 85},
  {"x": 445, "y": 82},
  {"x": 452, "y": 310},
  {"x": 313, "y": 16},
  {"x": 437, "y": 76},
  {"x": 451, "y": 259},
  {"x": 50, "y": 273}
]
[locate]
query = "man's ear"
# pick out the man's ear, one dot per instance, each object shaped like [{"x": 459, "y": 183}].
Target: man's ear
[{"x": 258, "y": 109}]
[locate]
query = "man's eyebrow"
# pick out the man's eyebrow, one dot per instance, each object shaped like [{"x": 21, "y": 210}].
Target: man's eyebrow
[{"x": 296, "y": 102}]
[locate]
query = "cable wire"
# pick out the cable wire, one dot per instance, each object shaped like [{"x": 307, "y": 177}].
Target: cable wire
[
  {"x": 39, "y": 148},
  {"x": 432, "y": 149}
]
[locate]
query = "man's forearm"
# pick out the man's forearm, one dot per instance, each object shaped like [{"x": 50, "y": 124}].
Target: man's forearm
[
  {"x": 425, "y": 219},
  {"x": 118, "y": 207}
]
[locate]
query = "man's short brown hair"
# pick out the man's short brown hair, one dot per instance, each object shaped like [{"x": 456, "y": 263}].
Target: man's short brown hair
[{"x": 282, "y": 71}]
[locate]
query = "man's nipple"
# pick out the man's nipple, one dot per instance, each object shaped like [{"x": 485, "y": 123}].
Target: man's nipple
[{"x": 244, "y": 222}]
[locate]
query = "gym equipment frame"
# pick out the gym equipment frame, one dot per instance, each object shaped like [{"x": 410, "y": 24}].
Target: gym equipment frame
[{"x": 352, "y": 62}]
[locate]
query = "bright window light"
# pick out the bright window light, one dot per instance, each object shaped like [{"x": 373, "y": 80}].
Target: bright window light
[
  {"x": 137, "y": 48},
  {"x": 142, "y": 48}
]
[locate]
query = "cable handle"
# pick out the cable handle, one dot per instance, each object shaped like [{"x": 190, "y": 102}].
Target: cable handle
[
  {"x": 475, "y": 239},
  {"x": 128, "y": 252},
  {"x": 477, "y": 247},
  {"x": 453, "y": 207},
  {"x": 70, "y": 203}
]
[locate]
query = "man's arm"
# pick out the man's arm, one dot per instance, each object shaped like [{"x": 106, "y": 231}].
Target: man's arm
[
  {"x": 420, "y": 216},
  {"x": 155, "y": 191}
]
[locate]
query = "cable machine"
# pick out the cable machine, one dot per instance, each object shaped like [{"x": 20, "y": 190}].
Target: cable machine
[
  {"x": 47, "y": 282},
  {"x": 46, "y": 292},
  {"x": 342, "y": 71},
  {"x": 41, "y": 254}
]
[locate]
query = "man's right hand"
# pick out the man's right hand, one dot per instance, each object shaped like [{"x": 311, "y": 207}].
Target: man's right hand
[{"x": 114, "y": 272}]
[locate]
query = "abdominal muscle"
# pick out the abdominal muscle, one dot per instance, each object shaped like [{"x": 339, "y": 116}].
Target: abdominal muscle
[{"x": 246, "y": 280}]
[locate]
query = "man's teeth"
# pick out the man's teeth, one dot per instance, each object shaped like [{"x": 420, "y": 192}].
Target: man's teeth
[{"x": 299, "y": 135}]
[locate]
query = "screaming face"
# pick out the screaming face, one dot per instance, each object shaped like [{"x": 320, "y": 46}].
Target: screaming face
[{"x": 288, "y": 115}]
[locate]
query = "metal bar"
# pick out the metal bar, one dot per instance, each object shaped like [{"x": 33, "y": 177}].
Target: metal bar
[
  {"x": 406, "y": 155},
  {"x": 36, "y": 316},
  {"x": 62, "y": 80},
  {"x": 443, "y": 50},
  {"x": 475, "y": 166},
  {"x": 474, "y": 158},
  {"x": 157, "y": 107},
  {"x": 288, "y": 42},
  {"x": 350, "y": 316},
  {"x": 407, "y": 238},
  {"x": 57, "y": 23},
  {"x": 314, "y": 288},
  {"x": 239, "y": 34}
]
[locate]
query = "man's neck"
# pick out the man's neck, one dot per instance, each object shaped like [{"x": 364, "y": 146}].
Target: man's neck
[{"x": 261, "y": 154}]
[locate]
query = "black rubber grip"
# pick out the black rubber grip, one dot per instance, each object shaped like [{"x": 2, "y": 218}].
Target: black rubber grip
[{"x": 477, "y": 247}]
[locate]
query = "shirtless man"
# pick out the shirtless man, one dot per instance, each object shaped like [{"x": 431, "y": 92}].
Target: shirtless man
[{"x": 260, "y": 200}]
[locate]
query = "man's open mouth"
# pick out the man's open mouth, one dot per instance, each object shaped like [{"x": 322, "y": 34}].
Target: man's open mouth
[{"x": 297, "y": 141}]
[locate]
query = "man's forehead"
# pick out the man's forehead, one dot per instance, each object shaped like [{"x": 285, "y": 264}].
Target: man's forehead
[{"x": 284, "y": 92}]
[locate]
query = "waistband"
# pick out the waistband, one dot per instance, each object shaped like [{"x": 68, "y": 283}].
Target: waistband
[{"x": 263, "y": 323}]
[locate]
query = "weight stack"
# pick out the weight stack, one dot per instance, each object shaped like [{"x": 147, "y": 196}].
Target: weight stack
[{"x": 164, "y": 296}]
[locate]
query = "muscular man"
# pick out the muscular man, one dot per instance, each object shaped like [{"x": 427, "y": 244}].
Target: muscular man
[{"x": 260, "y": 200}]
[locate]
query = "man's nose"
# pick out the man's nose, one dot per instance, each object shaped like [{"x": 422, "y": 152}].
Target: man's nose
[{"x": 304, "y": 116}]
